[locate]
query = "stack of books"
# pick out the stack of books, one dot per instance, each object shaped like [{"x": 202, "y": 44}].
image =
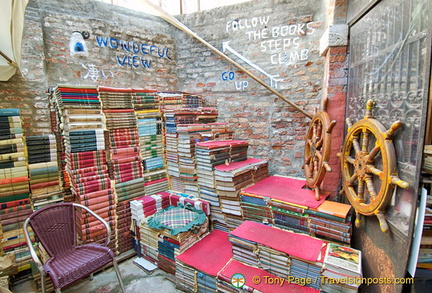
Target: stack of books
[
  {"x": 148, "y": 242},
  {"x": 289, "y": 216},
  {"x": 43, "y": 170},
  {"x": 230, "y": 179},
  {"x": 331, "y": 220},
  {"x": 209, "y": 155},
  {"x": 305, "y": 253},
  {"x": 244, "y": 250},
  {"x": 254, "y": 208},
  {"x": 185, "y": 277},
  {"x": 82, "y": 126},
  {"x": 188, "y": 136},
  {"x": 145, "y": 99},
  {"x": 274, "y": 261},
  {"x": 342, "y": 270},
  {"x": 69, "y": 96},
  {"x": 425, "y": 253},
  {"x": 197, "y": 268},
  {"x": 152, "y": 150},
  {"x": 15, "y": 204},
  {"x": 192, "y": 100},
  {"x": 427, "y": 159},
  {"x": 124, "y": 157},
  {"x": 170, "y": 101}
]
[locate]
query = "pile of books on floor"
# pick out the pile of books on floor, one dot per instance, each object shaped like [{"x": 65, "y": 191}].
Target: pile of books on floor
[
  {"x": 15, "y": 204},
  {"x": 424, "y": 263}
]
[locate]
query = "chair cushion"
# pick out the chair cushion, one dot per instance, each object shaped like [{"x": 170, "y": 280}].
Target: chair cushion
[{"x": 77, "y": 263}]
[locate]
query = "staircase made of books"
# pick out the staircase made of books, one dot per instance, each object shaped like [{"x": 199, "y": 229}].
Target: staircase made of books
[{"x": 261, "y": 258}]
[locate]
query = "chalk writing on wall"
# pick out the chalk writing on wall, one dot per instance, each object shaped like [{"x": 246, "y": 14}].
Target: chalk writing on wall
[
  {"x": 94, "y": 73},
  {"x": 272, "y": 78},
  {"x": 133, "y": 54},
  {"x": 282, "y": 42},
  {"x": 230, "y": 75}
]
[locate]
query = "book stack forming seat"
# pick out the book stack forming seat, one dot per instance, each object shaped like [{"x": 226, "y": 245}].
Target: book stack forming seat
[
  {"x": 43, "y": 170},
  {"x": 145, "y": 207},
  {"x": 178, "y": 233},
  {"x": 15, "y": 204},
  {"x": 124, "y": 157},
  {"x": 208, "y": 155},
  {"x": 83, "y": 128},
  {"x": 230, "y": 179},
  {"x": 160, "y": 246}
]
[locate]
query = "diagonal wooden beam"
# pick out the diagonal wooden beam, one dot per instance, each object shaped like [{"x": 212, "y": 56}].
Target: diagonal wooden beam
[
  {"x": 175, "y": 22},
  {"x": 6, "y": 57}
]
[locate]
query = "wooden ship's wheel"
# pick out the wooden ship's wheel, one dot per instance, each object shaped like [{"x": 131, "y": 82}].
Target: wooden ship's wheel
[
  {"x": 369, "y": 169},
  {"x": 317, "y": 149}
]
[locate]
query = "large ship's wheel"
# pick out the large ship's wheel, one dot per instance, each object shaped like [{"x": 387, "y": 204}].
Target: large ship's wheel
[
  {"x": 317, "y": 149},
  {"x": 369, "y": 170}
]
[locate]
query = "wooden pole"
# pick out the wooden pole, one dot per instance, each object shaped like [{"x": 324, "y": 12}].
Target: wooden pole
[{"x": 175, "y": 22}]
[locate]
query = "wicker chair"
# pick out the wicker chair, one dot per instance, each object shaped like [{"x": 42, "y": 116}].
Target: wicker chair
[{"x": 55, "y": 228}]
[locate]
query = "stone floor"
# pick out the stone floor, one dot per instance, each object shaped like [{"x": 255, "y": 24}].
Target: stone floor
[{"x": 135, "y": 280}]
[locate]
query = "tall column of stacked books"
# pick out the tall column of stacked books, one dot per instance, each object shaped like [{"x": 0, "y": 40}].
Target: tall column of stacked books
[
  {"x": 124, "y": 158},
  {"x": 208, "y": 155},
  {"x": 151, "y": 140},
  {"x": 56, "y": 121},
  {"x": 15, "y": 205},
  {"x": 83, "y": 128},
  {"x": 171, "y": 105},
  {"x": 43, "y": 170}
]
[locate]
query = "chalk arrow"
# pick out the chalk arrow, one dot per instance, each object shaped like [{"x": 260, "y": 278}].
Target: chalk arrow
[{"x": 273, "y": 80}]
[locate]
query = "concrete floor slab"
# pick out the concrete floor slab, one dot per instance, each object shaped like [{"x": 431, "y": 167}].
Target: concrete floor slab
[{"x": 135, "y": 280}]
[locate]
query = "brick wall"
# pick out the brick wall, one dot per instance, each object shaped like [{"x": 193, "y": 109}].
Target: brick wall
[
  {"x": 123, "y": 48},
  {"x": 277, "y": 39}
]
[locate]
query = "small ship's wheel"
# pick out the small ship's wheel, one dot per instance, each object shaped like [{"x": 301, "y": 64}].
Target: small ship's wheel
[
  {"x": 317, "y": 149},
  {"x": 369, "y": 170}
]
